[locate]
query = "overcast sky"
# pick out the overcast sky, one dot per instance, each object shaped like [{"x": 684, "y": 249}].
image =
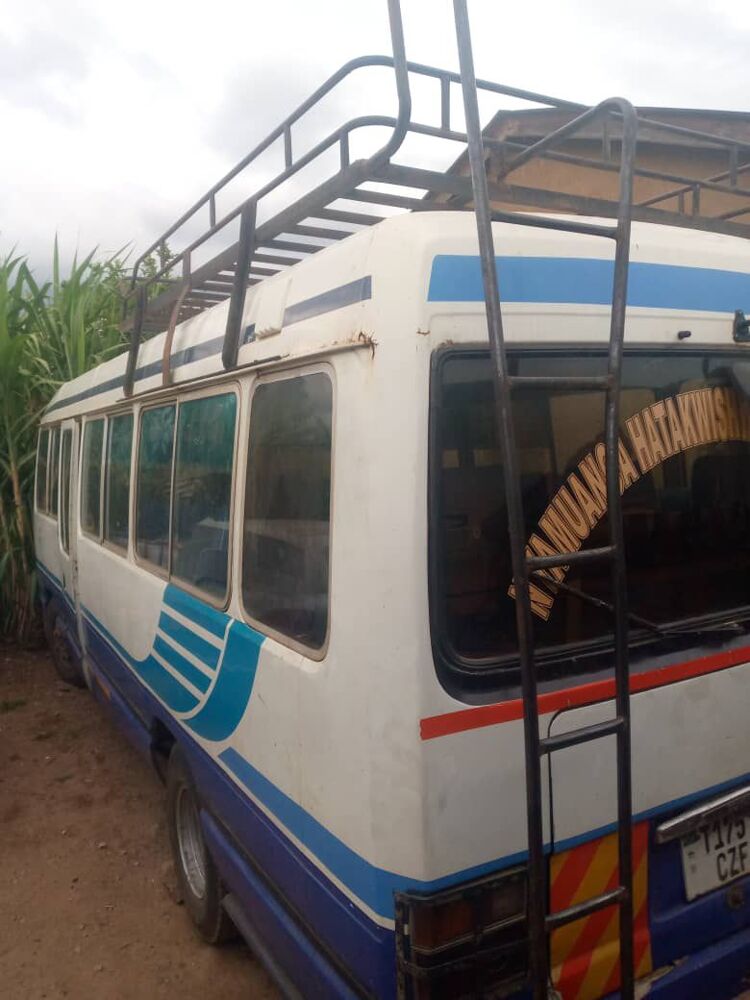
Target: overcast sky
[{"x": 117, "y": 116}]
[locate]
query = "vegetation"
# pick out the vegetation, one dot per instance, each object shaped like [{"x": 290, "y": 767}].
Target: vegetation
[{"x": 49, "y": 333}]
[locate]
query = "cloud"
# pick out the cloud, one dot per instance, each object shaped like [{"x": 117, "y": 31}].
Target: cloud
[
  {"x": 121, "y": 116},
  {"x": 670, "y": 53},
  {"x": 41, "y": 72}
]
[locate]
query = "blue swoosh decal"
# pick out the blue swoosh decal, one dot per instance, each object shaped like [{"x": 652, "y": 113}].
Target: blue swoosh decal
[
  {"x": 188, "y": 639},
  {"x": 217, "y": 713},
  {"x": 228, "y": 700}
]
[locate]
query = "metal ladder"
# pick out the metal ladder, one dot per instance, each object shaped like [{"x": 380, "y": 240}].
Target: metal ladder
[{"x": 540, "y": 921}]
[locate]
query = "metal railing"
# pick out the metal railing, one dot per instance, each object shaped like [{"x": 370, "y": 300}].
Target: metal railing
[
  {"x": 310, "y": 222},
  {"x": 527, "y": 567}
]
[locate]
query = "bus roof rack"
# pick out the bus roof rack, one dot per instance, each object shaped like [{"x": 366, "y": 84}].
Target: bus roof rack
[{"x": 318, "y": 218}]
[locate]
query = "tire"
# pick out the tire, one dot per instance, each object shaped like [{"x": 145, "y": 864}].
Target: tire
[
  {"x": 200, "y": 885},
  {"x": 67, "y": 665}
]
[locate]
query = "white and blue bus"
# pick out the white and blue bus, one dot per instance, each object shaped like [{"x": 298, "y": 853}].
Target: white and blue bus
[
  {"x": 290, "y": 582},
  {"x": 239, "y": 566}
]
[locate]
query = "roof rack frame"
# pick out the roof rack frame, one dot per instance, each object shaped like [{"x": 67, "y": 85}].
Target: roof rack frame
[{"x": 302, "y": 227}]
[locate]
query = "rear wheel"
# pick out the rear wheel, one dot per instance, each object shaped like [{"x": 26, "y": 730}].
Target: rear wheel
[
  {"x": 66, "y": 663},
  {"x": 199, "y": 881}
]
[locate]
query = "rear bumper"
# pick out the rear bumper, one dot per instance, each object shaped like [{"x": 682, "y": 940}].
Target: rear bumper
[{"x": 720, "y": 971}]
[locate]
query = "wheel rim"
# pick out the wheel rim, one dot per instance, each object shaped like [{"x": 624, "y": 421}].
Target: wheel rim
[{"x": 190, "y": 842}]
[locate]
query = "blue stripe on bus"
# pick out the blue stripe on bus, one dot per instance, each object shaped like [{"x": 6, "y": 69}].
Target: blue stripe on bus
[
  {"x": 329, "y": 301},
  {"x": 583, "y": 281},
  {"x": 674, "y": 805},
  {"x": 51, "y": 576},
  {"x": 193, "y": 643},
  {"x": 335, "y": 298},
  {"x": 197, "y": 611},
  {"x": 161, "y": 682},
  {"x": 181, "y": 665},
  {"x": 374, "y": 886}
]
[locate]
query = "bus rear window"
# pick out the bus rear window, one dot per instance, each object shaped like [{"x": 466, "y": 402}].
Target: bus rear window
[{"x": 685, "y": 487}]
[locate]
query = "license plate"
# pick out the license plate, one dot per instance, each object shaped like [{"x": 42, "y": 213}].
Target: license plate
[{"x": 716, "y": 854}]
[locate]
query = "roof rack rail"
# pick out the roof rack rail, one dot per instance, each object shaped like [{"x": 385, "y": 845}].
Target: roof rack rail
[{"x": 317, "y": 219}]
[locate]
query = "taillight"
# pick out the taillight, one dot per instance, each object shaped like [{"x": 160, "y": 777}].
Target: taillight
[{"x": 464, "y": 941}]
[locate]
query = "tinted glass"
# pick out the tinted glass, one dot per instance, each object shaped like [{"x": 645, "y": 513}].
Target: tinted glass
[
  {"x": 154, "y": 488},
  {"x": 287, "y": 508},
  {"x": 203, "y": 489},
  {"x": 41, "y": 470},
  {"x": 67, "y": 442},
  {"x": 685, "y": 487},
  {"x": 54, "y": 471},
  {"x": 117, "y": 512},
  {"x": 91, "y": 477}
]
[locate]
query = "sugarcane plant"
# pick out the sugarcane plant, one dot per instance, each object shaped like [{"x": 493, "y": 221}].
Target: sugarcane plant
[
  {"x": 17, "y": 419},
  {"x": 50, "y": 333}
]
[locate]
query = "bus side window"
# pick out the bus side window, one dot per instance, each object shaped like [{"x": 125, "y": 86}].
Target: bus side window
[
  {"x": 67, "y": 442},
  {"x": 287, "y": 508},
  {"x": 54, "y": 471},
  {"x": 117, "y": 483},
  {"x": 203, "y": 491},
  {"x": 154, "y": 485},
  {"x": 91, "y": 478},
  {"x": 41, "y": 471}
]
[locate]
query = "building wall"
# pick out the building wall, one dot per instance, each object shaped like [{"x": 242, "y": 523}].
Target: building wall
[{"x": 660, "y": 151}]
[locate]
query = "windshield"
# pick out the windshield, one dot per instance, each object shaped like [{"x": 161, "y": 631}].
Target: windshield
[{"x": 685, "y": 495}]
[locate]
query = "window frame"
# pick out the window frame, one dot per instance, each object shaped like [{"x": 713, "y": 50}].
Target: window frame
[
  {"x": 485, "y": 678},
  {"x": 135, "y": 492},
  {"x": 107, "y": 543},
  {"x": 92, "y": 419},
  {"x": 66, "y": 492},
  {"x": 289, "y": 642},
  {"x": 43, "y": 429},
  {"x": 221, "y": 602},
  {"x": 53, "y": 464},
  {"x": 222, "y": 388}
]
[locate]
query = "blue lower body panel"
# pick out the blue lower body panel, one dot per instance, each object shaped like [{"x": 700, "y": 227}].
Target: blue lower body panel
[
  {"x": 283, "y": 941},
  {"x": 719, "y": 972},
  {"x": 679, "y": 927}
]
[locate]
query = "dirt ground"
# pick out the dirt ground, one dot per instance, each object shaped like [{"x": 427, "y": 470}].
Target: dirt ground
[{"x": 88, "y": 898}]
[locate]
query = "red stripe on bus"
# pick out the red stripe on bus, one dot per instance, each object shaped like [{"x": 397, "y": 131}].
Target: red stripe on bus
[{"x": 583, "y": 694}]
